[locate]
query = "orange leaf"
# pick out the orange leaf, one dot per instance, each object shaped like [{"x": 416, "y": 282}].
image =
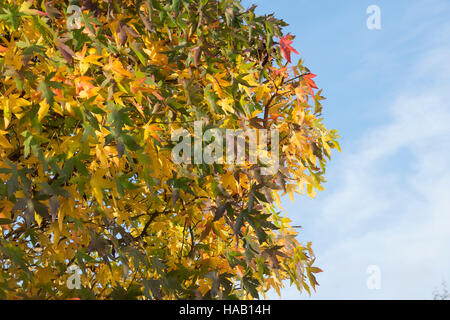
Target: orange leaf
[
  {"x": 279, "y": 72},
  {"x": 156, "y": 94},
  {"x": 309, "y": 82},
  {"x": 2, "y": 215},
  {"x": 117, "y": 67},
  {"x": 301, "y": 94},
  {"x": 74, "y": 236},
  {"x": 275, "y": 116}
]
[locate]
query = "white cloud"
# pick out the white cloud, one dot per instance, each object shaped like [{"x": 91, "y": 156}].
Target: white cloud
[
  {"x": 399, "y": 221},
  {"x": 390, "y": 201},
  {"x": 404, "y": 211}
]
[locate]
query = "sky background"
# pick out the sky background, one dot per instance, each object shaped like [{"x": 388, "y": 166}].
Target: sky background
[{"x": 387, "y": 198}]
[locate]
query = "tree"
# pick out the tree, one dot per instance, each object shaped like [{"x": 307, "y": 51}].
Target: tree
[
  {"x": 91, "y": 95},
  {"x": 441, "y": 295}
]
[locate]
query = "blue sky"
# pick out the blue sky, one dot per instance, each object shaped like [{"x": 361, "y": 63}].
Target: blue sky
[{"x": 387, "y": 198}]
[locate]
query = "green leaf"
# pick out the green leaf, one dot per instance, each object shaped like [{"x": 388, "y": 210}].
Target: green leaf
[
  {"x": 4, "y": 221},
  {"x": 212, "y": 98},
  {"x": 251, "y": 285},
  {"x": 15, "y": 254},
  {"x": 239, "y": 222},
  {"x": 152, "y": 286},
  {"x": 48, "y": 94},
  {"x": 11, "y": 16}
]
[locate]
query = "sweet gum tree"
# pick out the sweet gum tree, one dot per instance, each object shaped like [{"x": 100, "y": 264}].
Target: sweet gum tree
[{"x": 90, "y": 94}]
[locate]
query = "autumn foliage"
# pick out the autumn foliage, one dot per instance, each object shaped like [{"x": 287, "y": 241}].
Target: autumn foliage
[{"x": 89, "y": 98}]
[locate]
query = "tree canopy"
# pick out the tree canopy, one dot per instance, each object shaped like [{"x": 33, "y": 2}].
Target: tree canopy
[{"x": 91, "y": 93}]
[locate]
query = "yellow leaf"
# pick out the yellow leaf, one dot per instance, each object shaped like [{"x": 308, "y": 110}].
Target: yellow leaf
[
  {"x": 38, "y": 219},
  {"x": 25, "y": 8},
  {"x": 6, "y": 114},
  {"x": 310, "y": 191},
  {"x": 226, "y": 105},
  {"x": 117, "y": 99},
  {"x": 291, "y": 195},
  {"x": 3, "y": 141},
  {"x": 43, "y": 110},
  {"x": 96, "y": 184},
  {"x": 86, "y": 61},
  {"x": 325, "y": 145},
  {"x": 229, "y": 181}
]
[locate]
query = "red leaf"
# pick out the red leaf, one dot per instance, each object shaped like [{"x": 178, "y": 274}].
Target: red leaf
[
  {"x": 285, "y": 45},
  {"x": 310, "y": 82}
]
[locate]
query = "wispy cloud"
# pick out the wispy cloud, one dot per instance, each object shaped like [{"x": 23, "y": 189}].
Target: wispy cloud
[
  {"x": 392, "y": 207},
  {"x": 390, "y": 201}
]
